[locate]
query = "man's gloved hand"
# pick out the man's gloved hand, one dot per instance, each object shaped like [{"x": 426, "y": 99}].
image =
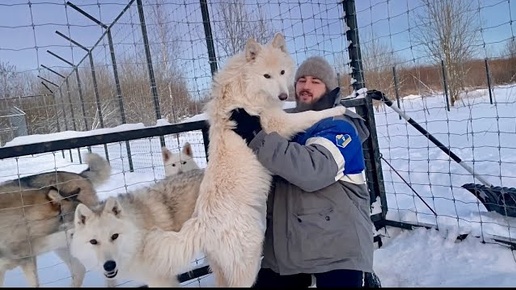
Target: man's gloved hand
[{"x": 247, "y": 126}]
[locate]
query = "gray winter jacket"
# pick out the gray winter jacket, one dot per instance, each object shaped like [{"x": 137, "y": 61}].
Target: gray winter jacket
[{"x": 318, "y": 216}]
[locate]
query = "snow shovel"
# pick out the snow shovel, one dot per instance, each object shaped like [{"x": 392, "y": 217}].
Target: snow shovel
[{"x": 495, "y": 198}]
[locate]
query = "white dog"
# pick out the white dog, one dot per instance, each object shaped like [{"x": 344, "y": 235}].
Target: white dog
[
  {"x": 172, "y": 200},
  {"x": 110, "y": 237},
  {"x": 176, "y": 163},
  {"x": 228, "y": 221}
]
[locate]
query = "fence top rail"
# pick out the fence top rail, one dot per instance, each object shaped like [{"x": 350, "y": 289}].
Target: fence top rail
[
  {"x": 353, "y": 102},
  {"x": 111, "y": 137},
  {"x": 99, "y": 139}
]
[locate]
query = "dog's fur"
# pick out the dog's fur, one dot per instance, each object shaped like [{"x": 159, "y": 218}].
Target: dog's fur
[
  {"x": 228, "y": 222},
  {"x": 176, "y": 163},
  {"x": 111, "y": 235},
  {"x": 36, "y": 210}
]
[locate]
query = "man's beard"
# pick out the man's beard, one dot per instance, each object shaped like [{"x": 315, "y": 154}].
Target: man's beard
[{"x": 325, "y": 102}]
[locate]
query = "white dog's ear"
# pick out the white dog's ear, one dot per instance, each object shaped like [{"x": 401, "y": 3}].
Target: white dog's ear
[
  {"x": 187, "y": 149},
  {"x": 113, "y": 206},
  {"x": 165, "y": 154},
  {"x": 82, "y": 213},
  {"x": 279, "y": 42},
  {"x": 252, "y": 48}
]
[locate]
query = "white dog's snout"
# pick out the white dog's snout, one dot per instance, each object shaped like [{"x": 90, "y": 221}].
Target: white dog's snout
[{"x": 283, "y": 96}]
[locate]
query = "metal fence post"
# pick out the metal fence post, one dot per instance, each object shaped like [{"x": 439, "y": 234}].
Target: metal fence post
[
  {"x": 79, "y": 87},
  {"x": 445, "y": 84},
  {"x": 74, "y": 125},
  {"x": 209, "y": 36},
  {"x": 396, "y": 89},
  {"x": 115, "y": 73},
  {"x": 152, "y": 79},
  {"x": 488, "y": 76},
  {"x": 81, "y": 98},
  {"x": 355, "y": 55},
  {"x": 95, "y": 88},
  {"x": 372, "y": 155},
  {"x": 97, "y": 98},
  {"x": 69, "y": 96},
  {"x": 65, "y": 119},
  {"x": 55, "y": 110}
]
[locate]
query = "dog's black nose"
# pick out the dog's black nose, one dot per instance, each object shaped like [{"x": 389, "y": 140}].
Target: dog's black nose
[
  {"x": 110, "y": 266},
  {"x": 283, "y": 96}
]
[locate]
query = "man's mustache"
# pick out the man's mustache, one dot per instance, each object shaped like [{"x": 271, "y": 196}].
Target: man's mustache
[{"x": 305, "y": 92}]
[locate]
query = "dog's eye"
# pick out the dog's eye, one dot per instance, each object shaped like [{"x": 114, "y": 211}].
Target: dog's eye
[
  {"x": 267, "y": 76},
  {"x": 173, "y": 165},
  {"x": 282, "y": 72},
  {"x": 114, "y": 237},
  {"x": 183, "y": 162},
  {"x": 93, "y": 242}
]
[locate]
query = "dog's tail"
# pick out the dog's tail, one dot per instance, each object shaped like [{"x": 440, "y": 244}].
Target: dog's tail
[
  {"x": 98, "y": 170},
  {"x": 172, "y": 252}
]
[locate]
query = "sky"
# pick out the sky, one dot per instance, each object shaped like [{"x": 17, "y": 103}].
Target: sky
[
  {"x": 310, "y": 27},
  {"x": 480, "y": 133},
  {"x": 392, "y": 20}
]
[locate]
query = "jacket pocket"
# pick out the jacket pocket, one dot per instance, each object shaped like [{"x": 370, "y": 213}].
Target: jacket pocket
[{"x": 318, "y": 237}]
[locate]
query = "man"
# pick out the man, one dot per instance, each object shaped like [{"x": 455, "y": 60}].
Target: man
[{"x": 318, "y": 216}]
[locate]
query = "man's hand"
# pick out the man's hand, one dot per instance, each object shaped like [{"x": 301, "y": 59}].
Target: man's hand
[{"x": 247, "y": 126}]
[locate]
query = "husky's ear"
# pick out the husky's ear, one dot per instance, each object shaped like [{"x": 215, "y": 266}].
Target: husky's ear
[
  {"x": 82, "y": 213},
  {"x": 113, "y": 206},
  {"x": 165, "y": 154},
  {"x": 279, "y": 42},
  {"x": 54, "y": 196},
  {"x": 252, "y": 48},
  {"x": 187, "y": 149}
]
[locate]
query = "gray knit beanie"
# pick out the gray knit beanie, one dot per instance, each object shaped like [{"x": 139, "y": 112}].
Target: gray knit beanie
[{"x": 318, "y": 67}]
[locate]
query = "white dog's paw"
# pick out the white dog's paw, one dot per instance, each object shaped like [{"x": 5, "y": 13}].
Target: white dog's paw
[{"x": 338, "y": 110}]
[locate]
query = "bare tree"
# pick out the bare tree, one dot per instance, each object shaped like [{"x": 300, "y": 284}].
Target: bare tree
[
  {"x": 174, "y": 97},
  {"x": 448, "y": 30},
  {"x": 166, "y": 39},
  {"x": 235, "y": 24},
  {"x": 14, "y": 83},
  {"x": 108, "y": 112},
  {"x": 378, "y": 60},
  {"x": 509, "y": 50},
  {"x": 508, "y": 53},
  {"x": 7, "y": 77}
]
